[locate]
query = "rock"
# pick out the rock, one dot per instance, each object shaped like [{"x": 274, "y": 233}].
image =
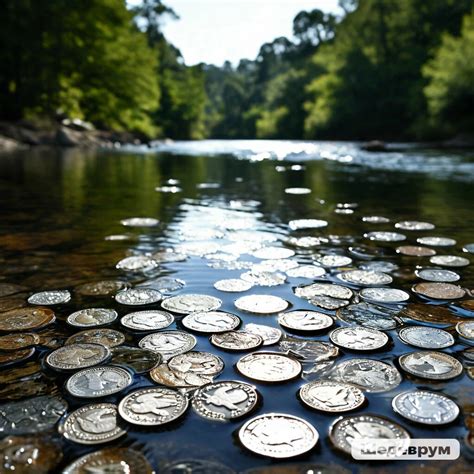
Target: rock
[
  {"x": 66, "y": 137},
  {"x": 374, "y": 145},
  {"x": 78, "y": 124},
  {"x": 8, "y": 144}
]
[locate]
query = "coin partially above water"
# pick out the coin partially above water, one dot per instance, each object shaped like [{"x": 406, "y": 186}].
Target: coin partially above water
[
  {"x": 414, "y": 251},
  {"x": 233, "y": 285},
  {"x": 106, "y": 337},
  {"x": 306, "y": 271},
  {"x": 303, "y": 320},
  {"x": 365, "y": 278},
  {"x": 302, "y": 224},
  {"x": 269, "y": 367},
  {"x": 430, "y": 365},
  {"x": 449, "y": 261},
  {"x": 323, "y": 289},
  {"x": 385, "y": 236},
  {"x": 138, "y": 296},
  {"x": 333, "y": 261},
  {"x": 236, "y": 340},
  {"x": 329, "y": 303},
  {"x": 151, "y": 320},
  {"x": 13, "y": 342},
  {"x": 77, "y": 356},
  {"x": 426, "y": 337},
  {"x": 137, "y": 263},
  {"x": 92, "y": 317},
  {"x": 190, "y": 303},
  {"x": 26, "y": 319},
  {"x": 439, "y": 291},
  {"x": 436, "y": 241},
  {"x": 261, "y": 304},
  {"x": 168, "y": 343},
  {"x": 269, "y": 334},
  {"x": 197, "y": 362},
  {"x": 369, "y": 315},
  {"x": 138, "y": 359},
  {"x": 432, "y": 274},
  {"x": 47, "y": 298},
  {"x": 384, "y": 295},
  {"x": 358, "y": 338},
  {"x": 414, "y": 225},
  {"x": 211, "y": 322}
]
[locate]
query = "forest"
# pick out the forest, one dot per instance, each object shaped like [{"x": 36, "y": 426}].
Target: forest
[{"x": 384, "y": 69}]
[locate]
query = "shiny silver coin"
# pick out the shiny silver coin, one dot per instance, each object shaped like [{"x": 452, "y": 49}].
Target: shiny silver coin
[
  {"x": 306, "y": 271},
  {"x": 384, "y": 295},
  {"x": 449, "y": 261},
  {"x": 197, "y": 362},
  {"x": 153, "y": 406},
  {"x": 306, "y": 242},
  {"x": 468, "y": 248},
  {"x": 91, "y": 317},
  {"x": 385, "y": 236},
  {"x": 323, "y": 289},
  {"x": 439, "y": 291},
  {"x": 258, "y": 278},
  {"x": 432, "y": 274},
  {"x": 297, "y": 190},
  {"x": 277, "y": 435},
  {"x": 233, "y": 285},
  {"x": 333, "y": 261},
  {"x": 138, "y": 359},
  {"x": 151, "y": 320},
  {"x": 261, "y": 304},
  {"x": 436, "y": 241},
  {"x": 331, "y": 397},
  {"x": 303, "y": 320},
  {"x": 426, "y": 337},
  {"x": 414, "y": 225},
  {"x": 236, "y": 340},
  {"x": 365, "y": 278},
  {"x": 273, "y": 253},
  {"x": 329, "y": 303},
  {"x": 425, "y": 407},
  {"x": 211, "y": 322},
  {"x": 106, "y": 337},
  {"x": 50, "y": 298},
  {"x": 191, "y": 303},
  {"x": 138, "y": 296},
  {"x": 308, "y": 350},
  {"x": 280, "y": 265},
  {"x": 344, "y": 432},
  {"x": 466, "y": 330},
  {"x": 358, "y": 338},
  {"x": 164, "y": 284},
  {"x": 269, "y": 334},
  {"x": 375, "y": 219},
  {"x": 101, "y": 288},
  {"x": 224, "y": 400},
  {"x": 430, "y": 365},
  {"x": 168, "y": 343},
  {"x": 92, "y": 424},
  {"x": 301, "y": 224},
  {"x": 78, "y": 356},
  {"x": 98, "y": 382},
  {"x": 369, "y": 315},
  {"x": 137, "y": 263},
  {"x": 378, "y": 266},
  {"x": 168, "y": 377},
  {"x": 140, "y": 222},
  {"x": 269, "y": 367},
  {"x": 368, "y": 374}
]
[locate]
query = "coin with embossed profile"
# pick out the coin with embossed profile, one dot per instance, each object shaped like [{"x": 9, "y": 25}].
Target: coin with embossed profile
[
  {"x": 270, "y": 335},
  {"x": 236, "y": 340},
  {"x": 261, "y": 304},
  {"x": 365, "y": 278},
  {"x": 358, "y": 338},
  {"x": 439, "y": 291},
  {"x": 211, "y": 322},
  {"x": 232, "y": 285},
  {"x": 138, "y": 296},
  {"x": 165, "y": 375},
  {"x": 151, "y": 320},
  {"x": 333, "y": 261},
  {"x": 329, "y": 303},
  {"x": 26, "y": 319},
  {"x": 430, "y": 365},
  {"x": 168, "y": 343},
  {"x": 384, "y": 295},
  {"x": 190, "y": 303},
  {"x": 106, "y": 337},
  {"x": 13, "y": 342},
  {"x": 77, "y": 356},
  {"x": 269, "y": 367},
  {"x": 47, "y": 298},
  {"x": 303, "y": 320},
  {"x": 426, "y": 337},
  {"x": 197, "y": 362},
  {"x": 323, "y": 289},
  {"x": 92, "y": 317}
]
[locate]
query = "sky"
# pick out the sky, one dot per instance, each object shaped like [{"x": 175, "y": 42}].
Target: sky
[{"x": 213, "y": 31}]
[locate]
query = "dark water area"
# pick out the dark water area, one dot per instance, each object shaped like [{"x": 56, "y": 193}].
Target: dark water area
[{"x": 58, "y": 207}]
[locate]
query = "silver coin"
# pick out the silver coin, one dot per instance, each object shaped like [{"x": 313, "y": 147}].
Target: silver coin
[
  {"x": 270, "y": 335},
  {"x": 98, "y": 382},
  {"x": 236, "y": 340},
  {"x": 211, "y": 322},
  {"x": 414, "y": 225},
  {"x": 153, "y": 406},
  {"x": 432, "y": 274},
  {"x": 261, "y": 304},
  {"x": 375, "y": 219},
  {"x": 332, "y": 397},
  {"x": 345, "y": 431},
  {"x": 369, "y": 315},
  {"x": 233, "y": 285},
  {"x": 365, "y": 278},
  {"x": 368, "y": 374},
  {"x": 224, "y": 400},
  {"x": 425, "y": 407},
  {"x": 306, "y": 242},
  {"x": 258, "y": 278},
  {"x": 430, "y": 365},
  {"x": 280, "y": 265},
  {"x": 329, "y": 303},
  {"x": 449, "y": 261},
  {"x": 306, "y": 271},
  {"x": 92, "y": 424},
  {"x": 50, "y": 298},
  {"x": 269, "y": 367},
  {"x": 168, "y": 377},
  {"x": 303, "y": 320},
  {"x": 333, "y": 261},
  {"x": 78, "y": 356},
  {"x": 137, "y": 263},
  {"x": 385, "y": 236},
  {"x": 384, "y": 295},
  {"x": 138, "y": 359},
  {"x": 323, "y": 289},
  {"x": 436, "y": 241},
  {"x": 150, "y": 320},
  {"x": 91, "y": 317},
  {"x": 297, "y": 190},
  {"x": 197, "y": 362},
  {"x": 468, "y": 248},
  {"x": 273, "y": 253},
  {"x": 164, "y": 284},
  {"x": 307, "y": 350},
  {"x": 277, "y": 435},
  {"x": 301, "y": 224},
  {"x": 138, "y": 296},
  {"x": 426, "y": 337},
  {"x": 378, "y": 266},
  {"x": 106, "y": 337},
  {"x": 140, "y": 222},
  {"x": 101, "y": 288},
  {"x": 191, "y": 303},
  {"x": 168, "y": 343},
  {"x": 466, "y": 330},
  {"x": 358, "y": 338}
]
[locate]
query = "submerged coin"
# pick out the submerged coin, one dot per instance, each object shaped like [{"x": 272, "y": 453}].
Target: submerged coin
[
  {"x": 365, "y": 278},
  {"x": 269, "y": 334},
  {"x": 106, "y": 337},
  {"x": 92, "y": 317},
  {"x": 101, "y": 288},
  {"x": 211, "y": 322},
  {"x": 92, "y": 424},
  {"x": 385, "y": 236},
  {"x": 306, "y": 271},
  {"x": 168, "y": 343},
  {"x": 190, "y": 303},
  {"x": 384, "y": 295},
  {"x": 233, "y": 285},
  {"x": 263, "y": 278},
  {"x": 436, "y": 241},
  {"x": 334, "y": 261},
  {"x": 426, "y": 337},
  {"x": 225, "y": 400},
  {"x": 449, "y": 261},
  {"x": 429, "y": 408},
  {"x": 98, "y": 382},
  {"x": 414, "y": 251},
  {"x": 47, "y": 298},
  {"x": 300, "y": 224},
  {"x": 326, "y": 302},
  {"x": 308, "y": 350},
  {"x": 429, "y": 314},
  {"x": 466, "y": 330},
  {"x": 236, "y": 340},
  {"x": 13, "y": 357},
  {"x": 369, "y": 315},
  {"x": 140, "y": 222},
  {"x": 77, "y": 356},
  {"x": 430, "y": 365},
  {"x": 261, "y": 304},
  {"x": 277, "y": 435},
  {"x": 138, "y": 359},
  {"x": 432, "y": 274},
  {"x": 138, "y": 296},
  {"x": 150, "y": 320},
  {"x": 153, "y": 406},
  {"x": 439, "y": 291},
  {"x": 13, "y": 342},
  {"x": 25, "y": 319},
  {"x": 137, "y": 263},
  {"x": 164, "y": 375},
  {"x": 358, "y": 338},
  {"x": 269, "y": 367},
  {"x": 273, "y": 253},
  {"x": 323, "y": 289},
  {"x": 303, "y": 320},
  {"x": 332, "y": 397},
  {"x": 197, "y": 362},
  {"x": 414, "y": 225}
]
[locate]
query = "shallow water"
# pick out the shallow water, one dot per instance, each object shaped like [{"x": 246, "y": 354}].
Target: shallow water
[{"x": 57, "y": 207}]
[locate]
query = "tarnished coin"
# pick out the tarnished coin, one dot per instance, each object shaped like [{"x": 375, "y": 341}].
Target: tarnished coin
[
  {"x": 153, "y": 406},
  {"x": 439, "y": 291},
  {"x": 430, "y": 365},
  {"x": 138, "y": 359},
  {"x": 302, "y": 224},
  {"x": 414, "y": 225},
  {"x": 233, "y": 285},
  {"x": 385, "y": 236},
  {"x": 168, "y": 377},
  {"x": 323, "y": 289},
  {"x": 303, "y": 320},
  {"x": 269, "y": 334},
  {"x": 436, "y": 241},
  {"x": 106, "y": 337},
  {"x": 140, "y": 222},
  {"x": 7, "y": 304},
  {"x": 429, "y": 314},
  {"x": 197, "y": 362},
  {"x": 13, "y": 342},
  {"x": 333, "y": 261},
  {"x": 190, "y": 303},
  {"x": 113, "y": 460},
  {"x": 151, "y": 320},
  {"x": 306, "y": 271},
  {"x": 211, "y": 322},
  {"x": 426, "y": 337},
  {"x": 77, "y": 356},
  {"x": 168, "y": 343},
  {"x": 92, "y": 424},
  {"x": 236, "y": 340},
  {"x": 358, "y": 338},
  {"x": 429, "y": 408},
  {"x": 261, "y": 304},
  {"x": 13, "y": 357},
  {"x": 277, "y": 435},
  {"x": 225, "y": 400},
  {"x": 332, "y": 397},
  {"x": 263, "y": 278},
  {"x": 101, "y": 288},
  {"x": 384, "y": 295},
  {"x": 415, "y": 251},
  {"x": 344, "y": 432},
  {"x": 98, "y": 382},
  {"x": 92, "y": 317},
  {"x": 466, "y": 330},
  {"x": 329, "y": 303},
  {"x": 369, "y": 315},
  {"x": 308, "y": 350},
  {"x": 137, "y": 263},
  {"x": 365, "y": 278},
  {"x": 449, "y": 261},
  {"x": 375, "y": 219},
  {"x": 138, "y": 296},
  {"x": 7, "y": 289},
  {"x": 368, "y": 374},
  {"x": 49, "y": 298},
  {"x": 433, "y": 274},
  {"x": 273, "y": 253},
  {"x": 269, "y": 367},
  {"x": 26, "y": 319}
]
